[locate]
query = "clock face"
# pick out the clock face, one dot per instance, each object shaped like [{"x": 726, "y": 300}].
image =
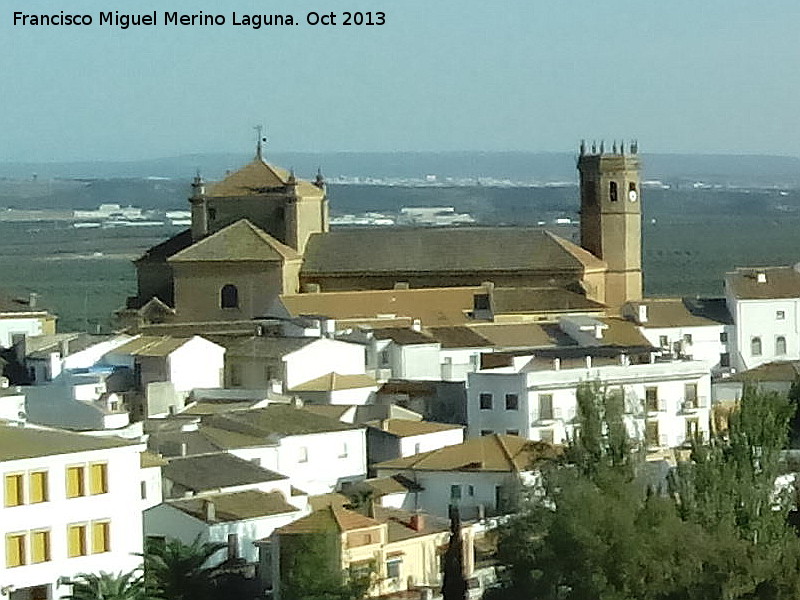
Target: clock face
[{"x": 633, "y": 196}]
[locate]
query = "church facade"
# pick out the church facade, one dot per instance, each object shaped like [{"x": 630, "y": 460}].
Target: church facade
[{"x": 261, "y": 233}]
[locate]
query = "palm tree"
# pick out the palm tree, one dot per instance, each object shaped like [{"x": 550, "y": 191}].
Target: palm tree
[
  {"x": 178, "y": 571},
  {"x": 108, "y": 586}
]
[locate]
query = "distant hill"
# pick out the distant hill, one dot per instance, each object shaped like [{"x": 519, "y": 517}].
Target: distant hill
[{"x": 736, "y": 170}]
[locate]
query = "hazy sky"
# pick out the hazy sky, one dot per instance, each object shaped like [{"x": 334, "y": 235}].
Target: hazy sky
[{"x": 680, "y": 75}]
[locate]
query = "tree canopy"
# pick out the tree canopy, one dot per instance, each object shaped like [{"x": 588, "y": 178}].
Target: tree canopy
[{"x": 601, "y": 530}]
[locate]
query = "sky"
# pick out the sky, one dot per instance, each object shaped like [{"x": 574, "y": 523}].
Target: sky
[{"x": 684, "y": 76}]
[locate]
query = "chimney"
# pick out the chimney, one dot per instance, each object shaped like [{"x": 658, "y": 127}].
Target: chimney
[
  {"x": 588, "y": 362},
  {"x": 311, "y": 288},
  {"x": 4, "y": 383},
  {"x": 556, "y": 364},
  {"x": 233, "y": 546},
  {"x": 416, "y": 325},
  {"x": 296, "y": 402},
  {"x": 184, "y": 448},
  {"x": 210, "y": 511},
  {"x": 642, "y": 313},
  {"x": 623, "y": 360},
  {"x": 401, "y": 285},
  {"x": 761, "y": 277},
  {"x": 417, "y": 522},
  {"x": 33, "y": 299},
  {"x": 385, "y": 424}
]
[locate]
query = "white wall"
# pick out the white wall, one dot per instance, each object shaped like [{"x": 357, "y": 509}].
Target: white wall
[
  {"x": 121, "y": 506},
  {"x": 669, "y": 379},
  {"x": 706, "y": 342},
  {"x": 321, "y": 357},
  {"x": 415, "y": 361},
  {"x": 11, "y": 326},
  {"x": 415, "y": 444},
  {"x": 759, "y": 318},
  {"x": 197, "y": 364}
]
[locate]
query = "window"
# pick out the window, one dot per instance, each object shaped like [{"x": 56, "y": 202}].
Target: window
[
  {"x": 780, "y": 315},
  {"x": 690, "y": 394},
  {"x": 229, "y": 296},
  {"x": 302, "y": 454},
  {"x": 687, "y": 338},
  {"x": 15, "y": 549},
  {"x": 486, "y": 401},
  {"x": 470, "y": 490},
  {"x": 663, "y": 341},
  {"x": 385, "y": 357},
  {"x": 15, "y": 494},
  {"x": 40, "y": 546},
  {"x": 100, "y": 537},
  {"x": 486, "y": 432},
  {"x": 546, "y": 435},
  {"x": 755, "y": 346},
  {"x": 417, "y": 447},
  {"x": 143, "y": 489},
  {"x": 512, "y": 402},
  {"x": 545, "y": 406},
  {"x": 651, "y": 433},
  {"x": 38, "y": 487},
  {"x": 723, "y": 337},
  {"x": 343, "y": 451},
  {"x": 76, "y": 540},
  {"x": 512, "y": 431},
  {"x": 780, "y": 345},
  {"x": 613, "y": 193},
  {"x": 455, "y": 492},
  {"x": 75, "y": 482},
  {"x": 236, "y": 375},
  {"x": 725, "y": 360},
  {"x": 692, "y": 429},
  {"x": 651, "y": 398},
  {"x": 98, "y": 478},
  {"x": 393, "y": 567},
  {"x": 212, "y": 213},
  {"x": 480, "y": 302}
]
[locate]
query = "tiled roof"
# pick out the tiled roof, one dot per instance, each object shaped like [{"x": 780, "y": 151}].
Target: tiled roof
[
  {"x": 239, "y": 241},
  {"x": 275, "y": 420},
  {"x": 263, "y": 346},
  {"x": 254, "y": 178},
  {"x": 496, "y": 453},
  {"x": 402, "y": 336},
  {"x": 778, "y": 282},
  {"x": 542, "y": 299},
  {"x": 216, "y": 471},
  {"x": 459, "y": 337},
  {"x": 332, "y": 411},
  {"x": 23, "y": 442},
  {"x": 165, "y": 249},
  {"x": 680, "y": 312},
  {"x": 335, "y": 381},
  {"x": 522, "y": 335},
  {"x": 12, "y": 304},
  {"x": 433, "y": 306},
  {"x": 329, "y": 519},
  {"x": 787, "y": 371},
  {"x": 147, "y": 345},
  {"x": 408, "y": 428},
  {"x": 236, "y": 506},
  {"x": 432, "y": 250}
]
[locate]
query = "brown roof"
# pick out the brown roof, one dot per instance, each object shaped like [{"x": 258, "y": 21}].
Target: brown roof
[
  {"x": 335, "y": 381},
  {"x": 150, "y": 345},
  {"x": 522, "y": 335},
  {"x": 541, "y": 299},
  {"x": 239, "y": 241},
  {"x": 258, "y": 346},
  {"x": 781, "y": 282},
  {"x": 148, "y": 459},
  {"x": 12, "y": 304},
  {"x": 254, "y": 178},
  {"x": 680, "y": 312},
  {"x": 504, "y": 453},
  {"x": 433, "y": 306},
  {"x": 778, "y": 371},
  {"x": 274, "y": 420},
  {"x": 459, "y": 337},
  {"x": 332, "y": 411},
  {"x": 623, "y": 333},
  {"x": 403, "y": 336},
  {"x": 167, "y": 248},
  {"x": 236, "y": 506},
  {"x": 447, "y": 250},
  {"x": 408, "y": 428},
  {"x": 330, "y": 518},
  {"x": 24, "y": 442},
  {"x": 215, "y": 471}
]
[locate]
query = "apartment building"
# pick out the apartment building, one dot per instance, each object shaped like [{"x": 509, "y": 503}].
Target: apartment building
[{"x": 71, "y": 504}]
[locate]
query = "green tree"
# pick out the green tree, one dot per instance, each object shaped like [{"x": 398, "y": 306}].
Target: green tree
[
  {"x": 597, "y": 531},
  {"x": 178, "y": 571},
  {"x": 108, "y": 586},
  {"x": 310, "y": 569}
]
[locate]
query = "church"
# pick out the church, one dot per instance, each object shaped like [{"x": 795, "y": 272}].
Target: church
[{"x": 261, "y": 234}]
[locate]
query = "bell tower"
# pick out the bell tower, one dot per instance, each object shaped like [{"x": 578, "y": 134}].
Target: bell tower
[{"x": 611, "y": 216}]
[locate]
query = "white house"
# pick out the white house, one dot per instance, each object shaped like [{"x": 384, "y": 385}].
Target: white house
[
  {"x": 395, "y": 438},
  {"x": 46, "y": 356},
  {"x": 765, "y": 306},
  {"x": 23, "y": 317},
  {"x": 478, "y": 475},
  {"x": 335, "y": 388},
  {"x": 72, "y": 504},
  {"x": 396, "y": 353},
  {"x": 256, "y": 362},
  {"x": 666, "y": 403},
  {"x": 696, "y": 328},
  {"x": 317, "y": 453}
]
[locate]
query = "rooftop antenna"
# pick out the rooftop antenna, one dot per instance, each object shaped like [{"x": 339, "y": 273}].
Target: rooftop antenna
[{"x": 260, "y": 140}]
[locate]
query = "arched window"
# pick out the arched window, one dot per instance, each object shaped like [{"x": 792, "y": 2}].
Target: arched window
[
  {"x": 229, "y": 296},
  {"x": 780, "y": 345},
  {"x": 755, "y": 346},
  {"x": 612, "y": 191}
]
